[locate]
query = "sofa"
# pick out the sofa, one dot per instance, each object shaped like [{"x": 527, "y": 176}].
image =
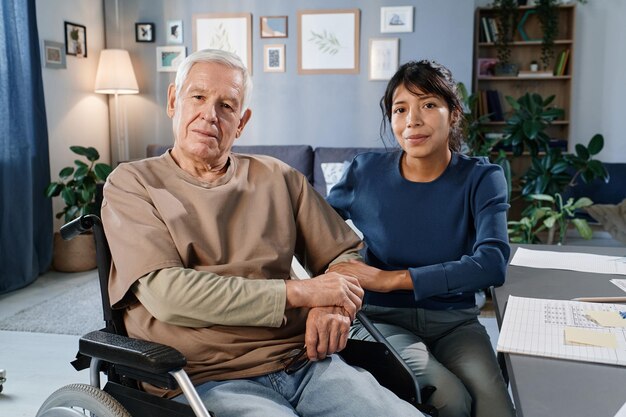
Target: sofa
[{"x": 322, "y": 166}]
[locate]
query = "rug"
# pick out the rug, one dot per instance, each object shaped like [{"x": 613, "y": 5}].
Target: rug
[{"x": 76, "y": 311}]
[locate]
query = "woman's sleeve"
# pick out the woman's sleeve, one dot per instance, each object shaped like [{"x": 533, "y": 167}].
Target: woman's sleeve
[
  {"x": 341, "y": 195},
  {"x": 486, "y": 266}
]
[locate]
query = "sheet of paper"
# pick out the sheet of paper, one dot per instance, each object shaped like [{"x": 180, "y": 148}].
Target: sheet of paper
[
  {"x": 621, "y": 283},
  {"x": 533, "y": 326},
  {"x": 607, "y": 318},
  {"x": 621, "y": 412},
  {"x": 579, "y": 336},
  {"x": 572, "y": 261}
]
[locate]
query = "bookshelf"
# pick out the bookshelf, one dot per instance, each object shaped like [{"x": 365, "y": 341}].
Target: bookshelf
[{"x": 525, "y": 49}]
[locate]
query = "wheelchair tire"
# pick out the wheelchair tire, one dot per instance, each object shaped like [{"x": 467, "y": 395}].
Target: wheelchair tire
[{"x": 82, "y": 398}]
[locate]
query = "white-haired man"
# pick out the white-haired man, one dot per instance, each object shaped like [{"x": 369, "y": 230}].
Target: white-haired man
[{"x": 202, "y": 241}]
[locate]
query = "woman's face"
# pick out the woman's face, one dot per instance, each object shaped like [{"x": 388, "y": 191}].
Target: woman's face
[{"x": 420, "y": 123}]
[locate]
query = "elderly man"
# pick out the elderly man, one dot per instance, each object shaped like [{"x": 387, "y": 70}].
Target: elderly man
[{"x": 202, "y": 241}]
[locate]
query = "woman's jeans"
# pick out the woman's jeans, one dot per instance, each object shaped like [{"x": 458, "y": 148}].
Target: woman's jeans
[{"x": 447, "y": 349}]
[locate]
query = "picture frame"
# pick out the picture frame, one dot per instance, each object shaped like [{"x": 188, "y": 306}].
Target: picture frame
[
  {"x": 75, "y": 39},
  {"x": 328, "y": 41},
  {"x": 274, "y": 58},
  {"x": 174, "y": 32},
  {"x": 396, "y": 19},
  {"x": 383, "y": 58},
  {"x": 54, "y": 55},
  {"x": 225, "y": 31},
  {"x": 485, "y": 67},
  {"x": 144, "y": 32},
  {"x": 168, "y": 58},
  {"x": 273, "y": 26}
]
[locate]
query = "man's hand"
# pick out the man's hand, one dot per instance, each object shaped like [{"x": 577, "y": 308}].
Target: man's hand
[
  {"x": 326, "y": 332},
  {"x": 374, "y": 279},
  {"x": 328, "y": 290}
]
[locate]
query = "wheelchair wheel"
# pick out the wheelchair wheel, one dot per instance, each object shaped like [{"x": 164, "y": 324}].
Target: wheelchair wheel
[{"x": 81, "y": 399}]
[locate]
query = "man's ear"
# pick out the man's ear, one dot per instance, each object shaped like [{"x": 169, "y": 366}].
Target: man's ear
[
  {"x": 171, "y": 100},
  {"x": 243, "y": 121}
]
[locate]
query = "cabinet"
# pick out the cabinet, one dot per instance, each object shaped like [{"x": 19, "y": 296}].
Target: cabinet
[{"x": 525, "y": 49}]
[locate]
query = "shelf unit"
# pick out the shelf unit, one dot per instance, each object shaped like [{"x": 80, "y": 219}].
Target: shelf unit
[{"x": 522, "y": 53}]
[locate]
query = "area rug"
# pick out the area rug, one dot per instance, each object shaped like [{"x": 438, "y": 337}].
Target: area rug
[{"x": 76, "y": 311}]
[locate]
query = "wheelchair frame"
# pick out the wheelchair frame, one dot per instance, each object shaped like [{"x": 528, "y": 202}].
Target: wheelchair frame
[{"x": 126, "y": 361}]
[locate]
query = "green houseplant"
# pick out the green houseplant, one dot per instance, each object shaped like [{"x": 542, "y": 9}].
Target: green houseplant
[
  {"x": 506, "y": 22},
  {"x": 78, "y": 186},
  {"x": 553, "y": 217}
]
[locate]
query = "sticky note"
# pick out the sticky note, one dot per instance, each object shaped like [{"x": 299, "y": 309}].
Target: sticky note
[
  {"x": 607, "y": 318},
  {"x": 581, "y": 336}
]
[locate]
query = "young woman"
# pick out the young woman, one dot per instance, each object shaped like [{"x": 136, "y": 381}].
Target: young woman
[{"x": 434, "y": 222}]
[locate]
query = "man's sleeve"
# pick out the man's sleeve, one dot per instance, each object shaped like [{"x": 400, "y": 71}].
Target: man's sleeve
[{"x": 190, "y": 298}]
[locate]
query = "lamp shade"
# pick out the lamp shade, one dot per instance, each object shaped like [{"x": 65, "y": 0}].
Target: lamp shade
[{"x": 115, "y": 73}]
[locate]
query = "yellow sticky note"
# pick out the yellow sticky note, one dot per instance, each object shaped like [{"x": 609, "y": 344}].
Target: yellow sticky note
[
  {"x": 606, "y": 318},
  {"x": 578, "y": 335}
]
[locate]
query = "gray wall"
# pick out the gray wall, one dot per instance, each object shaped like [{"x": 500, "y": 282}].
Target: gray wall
[{"x": 287, "y": 108}]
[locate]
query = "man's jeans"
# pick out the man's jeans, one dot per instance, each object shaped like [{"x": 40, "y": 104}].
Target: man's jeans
[{"x": 328, "y": 388}]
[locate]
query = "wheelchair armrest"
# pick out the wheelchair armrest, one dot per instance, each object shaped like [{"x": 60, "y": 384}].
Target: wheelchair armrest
[{"x": 134, "y": 353}]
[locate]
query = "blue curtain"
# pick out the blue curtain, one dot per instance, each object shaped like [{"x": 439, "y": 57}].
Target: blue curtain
[{"x": 25, "y": 213}]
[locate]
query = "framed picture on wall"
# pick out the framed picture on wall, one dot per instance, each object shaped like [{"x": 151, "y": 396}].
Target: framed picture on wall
[
  {"x": 383, "y": 54},
  {"x": 54, "y": 55},
  {"x": 144, "y": 32},
  {"x": 226, "y": 31},
  {"x": 274, "y": 58},
  {"x": 75, "y": 39},
  {"x": 328, "y": 41},
  {"x": 273, "y": 26},
  {"x": 170, "y": 57},
  {"x": 174, "y": 31},
  {"x": 396, "y": 19}
]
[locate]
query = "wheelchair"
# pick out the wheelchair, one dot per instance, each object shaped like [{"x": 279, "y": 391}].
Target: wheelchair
[{"x": 126, "y": 361}]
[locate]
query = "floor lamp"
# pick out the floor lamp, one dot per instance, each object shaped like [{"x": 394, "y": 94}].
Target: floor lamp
[{"x": 116, "y": 76}]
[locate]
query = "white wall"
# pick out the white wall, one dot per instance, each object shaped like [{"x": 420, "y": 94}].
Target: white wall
[
  {"x": 76, "y": 115},
  {"x": 600, "y": 86}
]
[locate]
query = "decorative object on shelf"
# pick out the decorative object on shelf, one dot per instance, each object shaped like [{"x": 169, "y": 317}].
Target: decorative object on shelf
[
  {"x": 115, "y": 76},
  {"x": 328, "y": 41},
  {"x": 144, "y": 32},
  {"x": 534, "y": 66},
  {"x": 54, "y": 55},
  {"x": 521, "y": 29},
  {"x": 273, "y": 26},
  {"x": 396, "y": 19},
  {"x": 383, "y": 56},
  {"x": 170, "y": 57},
  {"x": 486, "y": 66},
  {"x": 226, "y": 31},
  {"x": 506, "y": 18},
  {"x": 75, "y": 39},
  {"x": 274, "y": 58},
  {"x": 174, "y": 31}
]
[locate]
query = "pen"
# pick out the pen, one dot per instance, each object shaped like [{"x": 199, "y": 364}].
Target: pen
[{"x": 601, "y": 299}]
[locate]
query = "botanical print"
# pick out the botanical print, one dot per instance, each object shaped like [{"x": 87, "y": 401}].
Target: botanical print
[{"x": 326, "y": 42}]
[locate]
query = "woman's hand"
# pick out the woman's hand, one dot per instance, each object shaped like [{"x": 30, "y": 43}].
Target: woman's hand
[{"x": 374, "y": 279}]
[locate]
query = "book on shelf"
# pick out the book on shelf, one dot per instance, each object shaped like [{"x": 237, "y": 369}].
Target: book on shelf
[
  {"x": 486, "y": 29},
  {"x": 561, "y": 62},
  {"x": 535, "y": 74}
]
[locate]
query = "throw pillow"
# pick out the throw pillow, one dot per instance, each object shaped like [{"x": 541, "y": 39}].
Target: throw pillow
[
  {"x": 333, "y": 171},
  {"x": 612, "y": 217}
]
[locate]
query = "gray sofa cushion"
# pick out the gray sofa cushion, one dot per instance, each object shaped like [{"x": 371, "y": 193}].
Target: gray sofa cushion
[{"x": 324, "y": 155}]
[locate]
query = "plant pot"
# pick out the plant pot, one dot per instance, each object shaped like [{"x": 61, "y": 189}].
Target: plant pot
[
  {"x": 76, "y": 255},
  {"x": 510, "y": 70}
]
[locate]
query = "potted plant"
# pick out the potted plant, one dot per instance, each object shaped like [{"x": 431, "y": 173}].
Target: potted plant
[
  {"x": 506, "y": 23},
  {"x": 554, "y": 217},
  {"x": 80, "y": 189}
]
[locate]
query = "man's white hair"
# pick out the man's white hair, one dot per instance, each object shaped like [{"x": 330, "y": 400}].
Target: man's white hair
[{"x": 228, "y": 59}]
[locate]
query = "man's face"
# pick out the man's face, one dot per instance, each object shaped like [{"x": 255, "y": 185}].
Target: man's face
[{"x": 206, "y": 116}]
